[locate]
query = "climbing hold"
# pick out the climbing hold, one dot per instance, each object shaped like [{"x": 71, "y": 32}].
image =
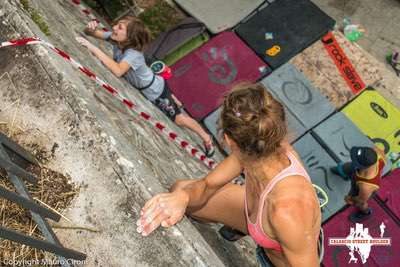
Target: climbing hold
[{"x": 273, "y": 51}]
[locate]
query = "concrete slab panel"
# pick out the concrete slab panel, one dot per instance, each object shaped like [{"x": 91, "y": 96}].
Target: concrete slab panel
[
  {"x": 219, "y": 15},
  {"x": 298, "y": 94},
  {"x": 318, "y": 163}
]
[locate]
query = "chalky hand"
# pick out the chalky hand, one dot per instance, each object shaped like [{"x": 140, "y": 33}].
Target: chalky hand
[
  {"x": 163, "y": 209},
  {"x": 84, "y": 42},
  {"x": 92, "y": 25}
]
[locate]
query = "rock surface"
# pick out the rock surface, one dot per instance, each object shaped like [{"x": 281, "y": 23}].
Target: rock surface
[{"x": 119, "y": 159}]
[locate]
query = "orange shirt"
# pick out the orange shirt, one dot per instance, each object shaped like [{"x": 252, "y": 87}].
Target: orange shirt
[{"x": 376, "y": 179}]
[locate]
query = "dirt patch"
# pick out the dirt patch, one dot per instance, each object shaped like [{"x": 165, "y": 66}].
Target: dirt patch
[{"x": 54, "y": 189}]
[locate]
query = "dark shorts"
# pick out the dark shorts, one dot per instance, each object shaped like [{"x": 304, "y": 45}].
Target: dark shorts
[
  {"x": 262, "y": 258},
  {"x": 166, "y": 104},
  {"x": 354, "y": 189}
]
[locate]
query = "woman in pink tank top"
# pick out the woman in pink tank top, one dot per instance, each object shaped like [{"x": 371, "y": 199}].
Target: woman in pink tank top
[{"x": 277, "y": 206}]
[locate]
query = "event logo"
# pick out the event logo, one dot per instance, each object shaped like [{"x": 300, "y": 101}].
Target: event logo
[{"x": 359, "y": 240}]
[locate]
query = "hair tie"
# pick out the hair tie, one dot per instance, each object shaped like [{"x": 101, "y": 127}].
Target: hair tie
[{"x": 238, "y": 114}]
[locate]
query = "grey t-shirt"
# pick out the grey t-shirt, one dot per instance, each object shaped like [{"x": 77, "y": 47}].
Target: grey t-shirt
[{"x": 139, "y": 75}]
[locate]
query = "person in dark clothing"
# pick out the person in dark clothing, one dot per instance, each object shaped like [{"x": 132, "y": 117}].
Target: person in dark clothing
[{"x": 365, "y": 171}]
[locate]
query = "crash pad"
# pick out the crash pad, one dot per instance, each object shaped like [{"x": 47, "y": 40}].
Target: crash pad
[
  {"x": 377, "y": 118},
  {"x": 389, "y": 191},
  {"x": 340, "y": 227},
  {"x": 297, "y": 93},
  {"x": 338, "y": 134},
  {"x": 201, "y": 78},
  {"x": 219, "y": 15},
  {"x": 318, "y": 163},
  {"x": 294, "y": 25},
  {"x": 295, "y": 128}
]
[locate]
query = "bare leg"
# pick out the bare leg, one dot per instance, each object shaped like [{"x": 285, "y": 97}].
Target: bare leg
[
  {"x": 365, "y": 193},
  {"x": 188, "y": 122},
  {"x": 176, "y": 100},
  {"x": 362, "y": 206},
  {"x": 226, "y": 206}
]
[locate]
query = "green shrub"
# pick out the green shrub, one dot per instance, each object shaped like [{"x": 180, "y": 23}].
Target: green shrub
[{"x": 36, "y": 17}]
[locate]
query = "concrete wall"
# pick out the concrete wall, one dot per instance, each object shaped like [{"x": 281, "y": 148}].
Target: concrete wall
[{"x": 119, "y": 159}]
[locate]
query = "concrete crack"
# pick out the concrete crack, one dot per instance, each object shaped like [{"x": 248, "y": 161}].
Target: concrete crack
[{"x": 122, "y": 180}]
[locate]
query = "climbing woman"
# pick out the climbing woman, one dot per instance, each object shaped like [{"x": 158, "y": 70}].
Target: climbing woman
[
  {"x": 277, "y": 206},
  {"x": 129, "y": 37}
]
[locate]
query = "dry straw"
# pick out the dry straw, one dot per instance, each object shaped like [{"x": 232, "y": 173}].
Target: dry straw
[{"x": 53, "y": 190}]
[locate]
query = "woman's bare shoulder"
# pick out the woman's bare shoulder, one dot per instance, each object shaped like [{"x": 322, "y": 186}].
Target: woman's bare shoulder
[{"x": 288, "y": 148}]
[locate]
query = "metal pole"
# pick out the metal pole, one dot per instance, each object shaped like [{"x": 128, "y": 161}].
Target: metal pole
[
  {"x": 40, "y": 244},
  {"x": 9, "y": 166},
  {"x": 42, "y": 224},
  {"x": 17, "y": 149},
  {"x": 28, "y": 204}
]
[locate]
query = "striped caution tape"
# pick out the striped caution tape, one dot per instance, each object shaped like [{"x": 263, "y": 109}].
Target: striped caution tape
[{"x": 160, "y": 127}]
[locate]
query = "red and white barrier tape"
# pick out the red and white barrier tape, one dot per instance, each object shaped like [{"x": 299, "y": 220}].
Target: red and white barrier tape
[
  {"x": 89, "y": 14},
  {"x": 194, "y": 152}
]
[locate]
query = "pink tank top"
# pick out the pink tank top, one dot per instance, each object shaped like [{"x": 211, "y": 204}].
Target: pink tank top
[{"x": 255, "y": 230}]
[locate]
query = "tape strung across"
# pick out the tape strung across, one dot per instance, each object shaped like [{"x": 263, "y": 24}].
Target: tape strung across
[
  {"x": 343, "y": 64},
  {"x": 194, "y": 152}
]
